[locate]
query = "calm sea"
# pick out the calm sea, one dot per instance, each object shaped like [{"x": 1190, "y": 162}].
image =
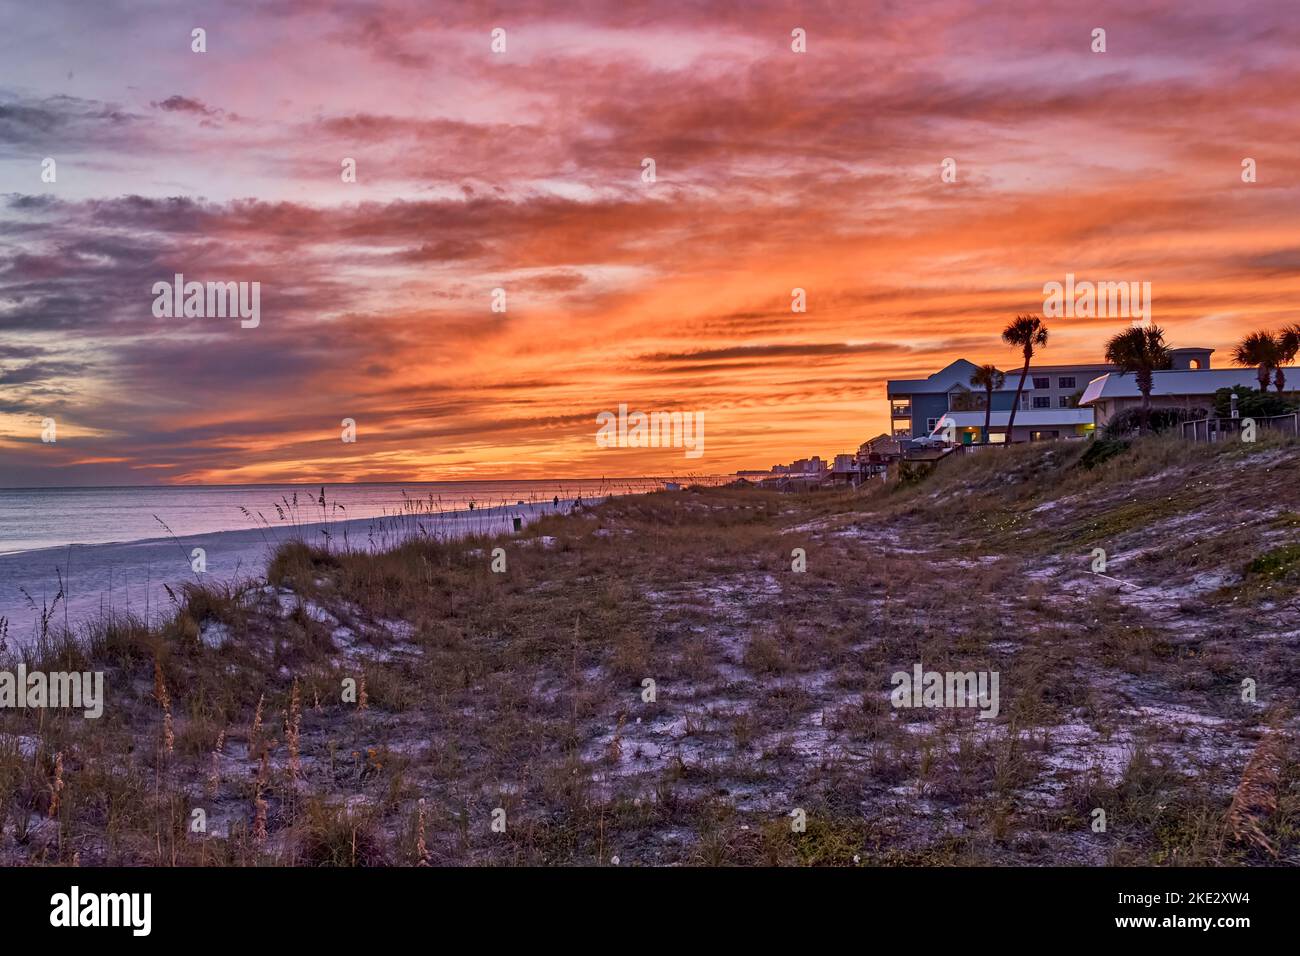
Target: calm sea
[{"x": 56, "y": 517}]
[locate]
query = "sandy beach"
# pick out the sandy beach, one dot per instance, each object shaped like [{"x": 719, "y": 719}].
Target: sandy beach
[{"x": 133, "y": 575}]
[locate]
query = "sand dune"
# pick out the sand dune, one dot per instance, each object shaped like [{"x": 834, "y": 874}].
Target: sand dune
[{"x": 132, "y": 575}]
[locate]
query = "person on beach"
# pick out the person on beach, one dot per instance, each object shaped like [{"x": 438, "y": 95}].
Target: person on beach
[{"x": 557, "y": 501}]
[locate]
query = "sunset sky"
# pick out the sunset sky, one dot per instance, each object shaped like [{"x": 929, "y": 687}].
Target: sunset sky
[{"x": 523, "y": 170}]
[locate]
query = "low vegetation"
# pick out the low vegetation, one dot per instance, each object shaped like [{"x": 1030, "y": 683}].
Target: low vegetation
[{"x": 651, "y": 682}]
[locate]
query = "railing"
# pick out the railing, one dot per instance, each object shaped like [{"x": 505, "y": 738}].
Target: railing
[
  {"x": 929, "y": 452},
  {"x": 1225, "y": 429}
]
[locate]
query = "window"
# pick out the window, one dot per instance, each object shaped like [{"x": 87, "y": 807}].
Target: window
[
  {"x": 1044, "y": 435},
  {"x": 1043, "y": 382},
  {"x": 1065, "y": 381},
  {"x": 1065, "y": 401},
  {"x": 929, "y": 424},
  {"x": 1042, "y": 401},
  {"x": 1194, "y": 363}
]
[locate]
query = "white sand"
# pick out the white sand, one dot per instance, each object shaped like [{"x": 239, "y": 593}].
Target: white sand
[{"x": 130, "y": 576}]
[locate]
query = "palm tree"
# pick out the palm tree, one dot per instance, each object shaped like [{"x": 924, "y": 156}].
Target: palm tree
[
  {"x": 1026, "y": 332},
  {"x": 1141, "y": 351},
  {"x": 990, "y": 379},
  {"x": 1288, "y": 344},
  {"x": 1260, "y": 349}
]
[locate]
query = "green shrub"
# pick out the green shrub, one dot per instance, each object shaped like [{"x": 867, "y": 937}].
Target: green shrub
[
  {"x": 1251, "y": 403},
  {"x": 1278, "y": 564},
  {"x": 1161, "y": 419},
  {"x": 1100, "y": 450}
]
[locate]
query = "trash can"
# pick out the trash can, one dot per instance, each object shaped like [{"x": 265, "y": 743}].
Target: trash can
[{"x": 519, "y": 523}]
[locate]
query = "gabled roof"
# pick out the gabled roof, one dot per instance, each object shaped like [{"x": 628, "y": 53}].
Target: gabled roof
[
  {"x": 956, "y": 373},
  {"x": 1194, "y": 382}
]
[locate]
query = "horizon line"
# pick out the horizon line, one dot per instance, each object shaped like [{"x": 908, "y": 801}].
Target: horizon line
[{"x": 327, "y": 484}]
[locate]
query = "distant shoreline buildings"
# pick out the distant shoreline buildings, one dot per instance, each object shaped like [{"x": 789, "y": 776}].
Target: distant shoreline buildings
[
  {"x": 802, "y": 466},
  {"x": 1071, "y": 401}
]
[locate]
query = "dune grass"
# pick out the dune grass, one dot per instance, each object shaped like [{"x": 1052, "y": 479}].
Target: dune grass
[{"x": 308, "y": 714}]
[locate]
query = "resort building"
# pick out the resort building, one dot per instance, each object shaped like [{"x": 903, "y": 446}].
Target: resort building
[
  {"x": 1189, "y": 389},
  {"x": 1052, "y": 392}
]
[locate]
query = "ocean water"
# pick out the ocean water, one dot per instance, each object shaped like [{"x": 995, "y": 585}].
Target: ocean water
[{"x": 32, "y": 518}]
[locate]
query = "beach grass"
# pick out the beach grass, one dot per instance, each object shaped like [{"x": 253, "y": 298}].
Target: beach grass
[{"x": 648, "y": 679}]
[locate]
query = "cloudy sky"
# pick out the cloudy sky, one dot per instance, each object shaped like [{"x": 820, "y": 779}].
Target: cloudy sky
[{"x": 522, "y": 170}]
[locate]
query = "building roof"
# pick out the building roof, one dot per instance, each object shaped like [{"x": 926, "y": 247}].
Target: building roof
[
  {"x": 959, "y": 372},
  {"x": 1196, "y": 381},
  {"x": 1037, "y": 417}
]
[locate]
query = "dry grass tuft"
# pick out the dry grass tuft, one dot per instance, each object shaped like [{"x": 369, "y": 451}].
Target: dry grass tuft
[{"x": 1256, "y": 796}]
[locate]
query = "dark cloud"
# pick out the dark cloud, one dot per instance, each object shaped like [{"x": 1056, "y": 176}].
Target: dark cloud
[
  {"x": 35, "y": 372},
  {"x": 184, "y": 104},
  {"x": 775, "y": 351},
  {"x": 59, "y": 125}
]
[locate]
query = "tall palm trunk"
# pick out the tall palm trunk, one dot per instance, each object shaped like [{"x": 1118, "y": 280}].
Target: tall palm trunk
[
  {"x": 988, "y": 411},
  {"x": 1011, "y": 419},
  {"x": 1262, "y": 375},
  {"x": 1145, "y": 382}
]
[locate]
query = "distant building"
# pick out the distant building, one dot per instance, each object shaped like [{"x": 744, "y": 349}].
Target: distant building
[
  {"x": 875, "y": 455},
  {"x": 803, "y": 466},
  {"x": 881, "y": 445}
]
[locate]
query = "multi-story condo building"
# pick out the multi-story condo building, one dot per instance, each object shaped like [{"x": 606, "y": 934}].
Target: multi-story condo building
[{"x": 1051, "y": 392}]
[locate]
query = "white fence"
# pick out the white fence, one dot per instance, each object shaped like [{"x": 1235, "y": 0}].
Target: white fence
[{"x": 1227, "y": 429}]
